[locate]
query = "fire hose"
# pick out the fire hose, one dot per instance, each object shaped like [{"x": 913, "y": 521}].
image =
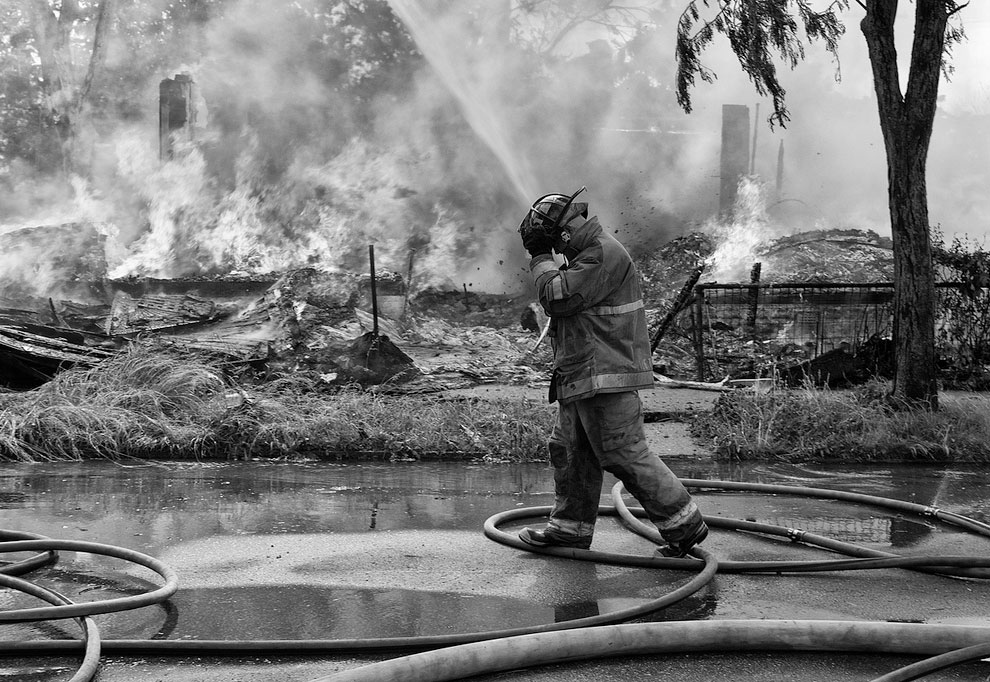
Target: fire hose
[{"x": 451, "y": 657}]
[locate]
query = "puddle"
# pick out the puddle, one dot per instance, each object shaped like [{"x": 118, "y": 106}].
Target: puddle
[{"x": 329, "y": 551}]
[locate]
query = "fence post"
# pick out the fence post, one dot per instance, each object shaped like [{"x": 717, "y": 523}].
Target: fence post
[
  {"x": 699, "y": 342},
  {"x": 754, "y": 297}
]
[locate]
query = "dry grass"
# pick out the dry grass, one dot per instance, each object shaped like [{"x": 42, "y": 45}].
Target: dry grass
[
  {"x": 152, "y": 404},
  {"x": 139, "y": 402},
  {"x": 861, "y": 424}
]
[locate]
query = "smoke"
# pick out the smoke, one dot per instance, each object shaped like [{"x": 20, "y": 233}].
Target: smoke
[
  {"x": 300, "y": 158},
  {"x": 652, "y": 170},
  {"x": 835, "y": 170},
  {"x": 739, "y": 237}
]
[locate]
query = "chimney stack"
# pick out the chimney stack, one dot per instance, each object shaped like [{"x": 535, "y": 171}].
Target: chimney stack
[
  {"x": 735, "y": 154},
  {"x": 176, "y": 114}
]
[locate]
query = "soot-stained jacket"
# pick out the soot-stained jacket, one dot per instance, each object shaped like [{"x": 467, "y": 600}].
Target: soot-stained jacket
[{"x": 598, "y": 327}]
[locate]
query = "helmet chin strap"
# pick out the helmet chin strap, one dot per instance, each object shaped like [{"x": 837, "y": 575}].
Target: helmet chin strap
[{"x": 559, "y": 223}]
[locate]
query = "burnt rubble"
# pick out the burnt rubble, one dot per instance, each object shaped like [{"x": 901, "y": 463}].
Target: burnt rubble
[
  {"x": 303, "y": 321},
  {"x": 326, "y": 325},
  {"x": 30, "y": 354},
  {"x": 843, "y": 367},
  {"x": 237, "y": 325}
]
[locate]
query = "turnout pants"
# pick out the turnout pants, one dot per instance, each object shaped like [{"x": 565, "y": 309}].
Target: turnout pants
[{"x": 605, "y": 433}]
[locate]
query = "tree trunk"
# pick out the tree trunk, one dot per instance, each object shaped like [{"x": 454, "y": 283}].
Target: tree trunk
[
  {"x": 83, "y": 130},
  {"x": 51, "y": 34},
  {"x": 98, "y": 56},
  {"x": 67, "y": 97},
  {"x": 906, "y": 121}
]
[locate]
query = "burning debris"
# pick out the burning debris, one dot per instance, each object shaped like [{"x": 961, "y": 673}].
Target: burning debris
[
  {"x": 337, "y": 327},
  {"x": 237, "y": 325},
  {"x": 345, "y": 328},
  {"x": 722, "y": 329},
  {"x": 129, "y": 316},
  {"x": 49, "y": 261}
]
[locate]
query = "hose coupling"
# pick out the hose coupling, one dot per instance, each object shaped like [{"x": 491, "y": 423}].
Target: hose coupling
[
  {"x": 795, "y": 535},
  {"x": 931, "y": 511}
]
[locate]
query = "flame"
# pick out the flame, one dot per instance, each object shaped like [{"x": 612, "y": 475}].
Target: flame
[
  {"x": 357, "y": 198},
  {"x": 739, "y": 238}
]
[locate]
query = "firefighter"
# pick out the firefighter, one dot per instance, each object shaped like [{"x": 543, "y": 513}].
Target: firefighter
[{"x": 601, "y": 359}]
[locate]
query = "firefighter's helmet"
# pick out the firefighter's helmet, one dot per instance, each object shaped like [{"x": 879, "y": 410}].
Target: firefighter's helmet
[{"x": 551, "y": 212}]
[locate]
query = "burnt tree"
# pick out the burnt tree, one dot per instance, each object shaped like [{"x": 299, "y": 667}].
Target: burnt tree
[{"x": 760, "y": 31}]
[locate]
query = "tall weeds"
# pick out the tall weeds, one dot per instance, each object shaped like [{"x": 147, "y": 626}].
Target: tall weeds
[
  {"x": 861, "y": 424},
  {"x": 149, "y": 403},
  {"x": 134, "y": 404}
]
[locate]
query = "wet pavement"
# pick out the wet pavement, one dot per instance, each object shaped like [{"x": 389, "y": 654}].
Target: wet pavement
[{"x": 277, "y": 551}]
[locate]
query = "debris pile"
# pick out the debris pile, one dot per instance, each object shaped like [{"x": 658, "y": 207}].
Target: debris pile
[
  {"x": 841, "y": 368},
  {"x": 30, "y": 354},
  {"x": 305, "y": 321},
  {"x": 47, "y": 261},
  {"x": 836, "y": 255},
  {"x": 324, "y": 324},
  {"x": 742, "y": 350}
]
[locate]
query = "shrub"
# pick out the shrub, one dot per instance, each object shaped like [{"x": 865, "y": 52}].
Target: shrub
[{"x": 861, "y": 424}]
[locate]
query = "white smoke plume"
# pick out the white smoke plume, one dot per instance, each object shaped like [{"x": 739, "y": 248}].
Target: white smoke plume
[{"x": 285, "y": 171}]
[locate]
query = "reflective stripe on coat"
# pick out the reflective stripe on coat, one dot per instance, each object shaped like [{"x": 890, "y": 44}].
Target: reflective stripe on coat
[{"x": 597, "y": 316}]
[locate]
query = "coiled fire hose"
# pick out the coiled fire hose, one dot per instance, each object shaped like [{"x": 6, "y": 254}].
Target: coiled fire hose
[
  {"x": 451, "y": 657},
  {"x": 62, "y": 606}
]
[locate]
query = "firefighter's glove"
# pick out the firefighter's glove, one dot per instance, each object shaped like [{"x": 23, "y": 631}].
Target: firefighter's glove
[{"x": 535, "y": 239}]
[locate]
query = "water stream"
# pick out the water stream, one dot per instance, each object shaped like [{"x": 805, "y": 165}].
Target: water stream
[{"x": 457, "y": 65}]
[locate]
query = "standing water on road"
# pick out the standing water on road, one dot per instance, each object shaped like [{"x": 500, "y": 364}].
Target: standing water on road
[{"x": 293, "y": 551}]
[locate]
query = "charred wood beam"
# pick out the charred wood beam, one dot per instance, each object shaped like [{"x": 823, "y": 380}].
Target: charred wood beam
[
  {"x": 754, "y": 297},
  {"x": 680, "y": 303},
  {"x": 240, "y": 349},
  {"x": 47, "y": 348}
]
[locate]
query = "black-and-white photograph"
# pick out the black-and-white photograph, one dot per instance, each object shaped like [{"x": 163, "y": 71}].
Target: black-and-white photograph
[{"x": 532, "y": 340}]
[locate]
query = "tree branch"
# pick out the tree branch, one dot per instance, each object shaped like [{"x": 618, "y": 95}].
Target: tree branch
[
  {"x": 688, "y": 48},
  {"x": 621, "y": 18},
  {"x": 98, "y": 55},
  {"x": 708, "y": 25},
  {"x": 927, "y": 52},
  {"x": 957, "y": 8}
]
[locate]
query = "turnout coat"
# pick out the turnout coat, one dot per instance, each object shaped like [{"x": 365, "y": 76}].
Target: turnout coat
[{"x": 598, "y": 326}]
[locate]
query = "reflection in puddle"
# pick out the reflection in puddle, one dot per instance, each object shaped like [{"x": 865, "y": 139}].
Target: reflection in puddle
[
  {"x": 406, "y": 515},
  {"x": 310, "y": 612}
]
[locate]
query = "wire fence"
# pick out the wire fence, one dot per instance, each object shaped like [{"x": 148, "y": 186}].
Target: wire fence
[{"x": 755, "y": 327}]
